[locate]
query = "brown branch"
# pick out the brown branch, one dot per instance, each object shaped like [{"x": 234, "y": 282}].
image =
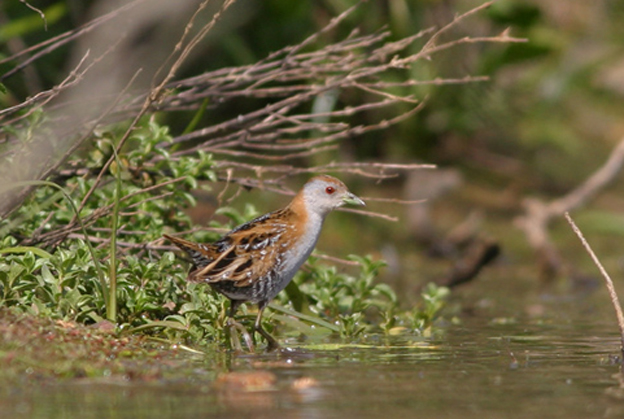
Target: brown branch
[
  {"x": 45, "y": 96},
  {"x": 284, "y": 84},
  {"x": 52, "y": 162},
  {"x": 431, "y": 42},
  {"x": 371, "y": 214},
  {"x": 60, "y": 233},
  {"x": 334, "y": 259},
  {"x": 538, "y": 214},
  {"x": 393, "y": 201}
]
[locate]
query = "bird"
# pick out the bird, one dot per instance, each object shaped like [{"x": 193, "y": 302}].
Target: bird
[{"x": 258, "y": 259}]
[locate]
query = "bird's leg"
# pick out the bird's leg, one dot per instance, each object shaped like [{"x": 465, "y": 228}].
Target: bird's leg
[
  {"x": 234, "y": 335},
  {"x": 273, "y": 345},
  {"x": 233, "y": 325}
]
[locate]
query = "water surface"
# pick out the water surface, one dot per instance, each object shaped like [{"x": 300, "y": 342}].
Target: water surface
[{"x": 480, "y": 369}]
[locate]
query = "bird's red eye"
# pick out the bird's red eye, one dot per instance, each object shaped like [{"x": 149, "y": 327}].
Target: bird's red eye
[{"x": 330, "y": 190}]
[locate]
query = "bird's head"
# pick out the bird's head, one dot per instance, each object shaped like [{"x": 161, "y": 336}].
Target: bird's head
[{"x": 324, "y": 193}]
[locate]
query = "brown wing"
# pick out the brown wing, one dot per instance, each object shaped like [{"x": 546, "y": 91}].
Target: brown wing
[
  {"x": 247, "y": 253},
  {"x": 251, "y": 253}
]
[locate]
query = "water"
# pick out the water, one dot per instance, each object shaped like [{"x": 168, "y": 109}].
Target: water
[{"x": 480, "y": 369}]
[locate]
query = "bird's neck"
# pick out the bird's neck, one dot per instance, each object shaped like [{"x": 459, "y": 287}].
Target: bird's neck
[
  {"x": 307, "y": 225},
  {"x": 309, "y": 220}
]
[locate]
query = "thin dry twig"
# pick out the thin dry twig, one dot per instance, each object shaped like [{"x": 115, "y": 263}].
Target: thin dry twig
[
  {"x": 185, "y": 50},
  {"x": 60, "y": 233},
  {"x": 156, "y": 91},
  {"x": 42, "y": 98},
  {"x": 38, "y": 11},
  {"x": 610, "y": 287},
  {"x": 334, "y": 259},
  {"x": 371, "y": 214},
  {"x": 52, "y": 162},
  {"x": 256, "y": 149}
]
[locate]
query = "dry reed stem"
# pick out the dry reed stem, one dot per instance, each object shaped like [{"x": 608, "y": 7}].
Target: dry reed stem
[{"x": 610, "y": 287}]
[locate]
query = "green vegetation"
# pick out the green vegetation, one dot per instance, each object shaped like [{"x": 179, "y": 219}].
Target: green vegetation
[
  {"x": 117, "y": 272},
  {"x": 84, "y": 242}
]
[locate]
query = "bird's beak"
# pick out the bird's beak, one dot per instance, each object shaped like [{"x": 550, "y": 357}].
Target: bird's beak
[{"x": 349, "y": 198}]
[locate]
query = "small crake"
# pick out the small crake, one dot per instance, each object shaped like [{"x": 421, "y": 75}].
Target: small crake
[{"x": 256, "y": 260}]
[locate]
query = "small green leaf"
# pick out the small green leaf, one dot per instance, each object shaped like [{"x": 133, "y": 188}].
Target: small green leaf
[{"x": 23, "y": 249}]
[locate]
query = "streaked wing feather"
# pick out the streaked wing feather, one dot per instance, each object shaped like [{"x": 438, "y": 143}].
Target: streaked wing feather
[
  {"x": 248, "y": 252},
  {"x": 251, "y": 255}
]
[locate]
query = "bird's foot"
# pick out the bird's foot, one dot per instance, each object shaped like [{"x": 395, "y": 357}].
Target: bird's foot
[{"x": 272, "y": 344}]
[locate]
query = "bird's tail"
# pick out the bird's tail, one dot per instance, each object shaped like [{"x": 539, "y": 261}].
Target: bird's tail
[{"x": 200, "y": 254}]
